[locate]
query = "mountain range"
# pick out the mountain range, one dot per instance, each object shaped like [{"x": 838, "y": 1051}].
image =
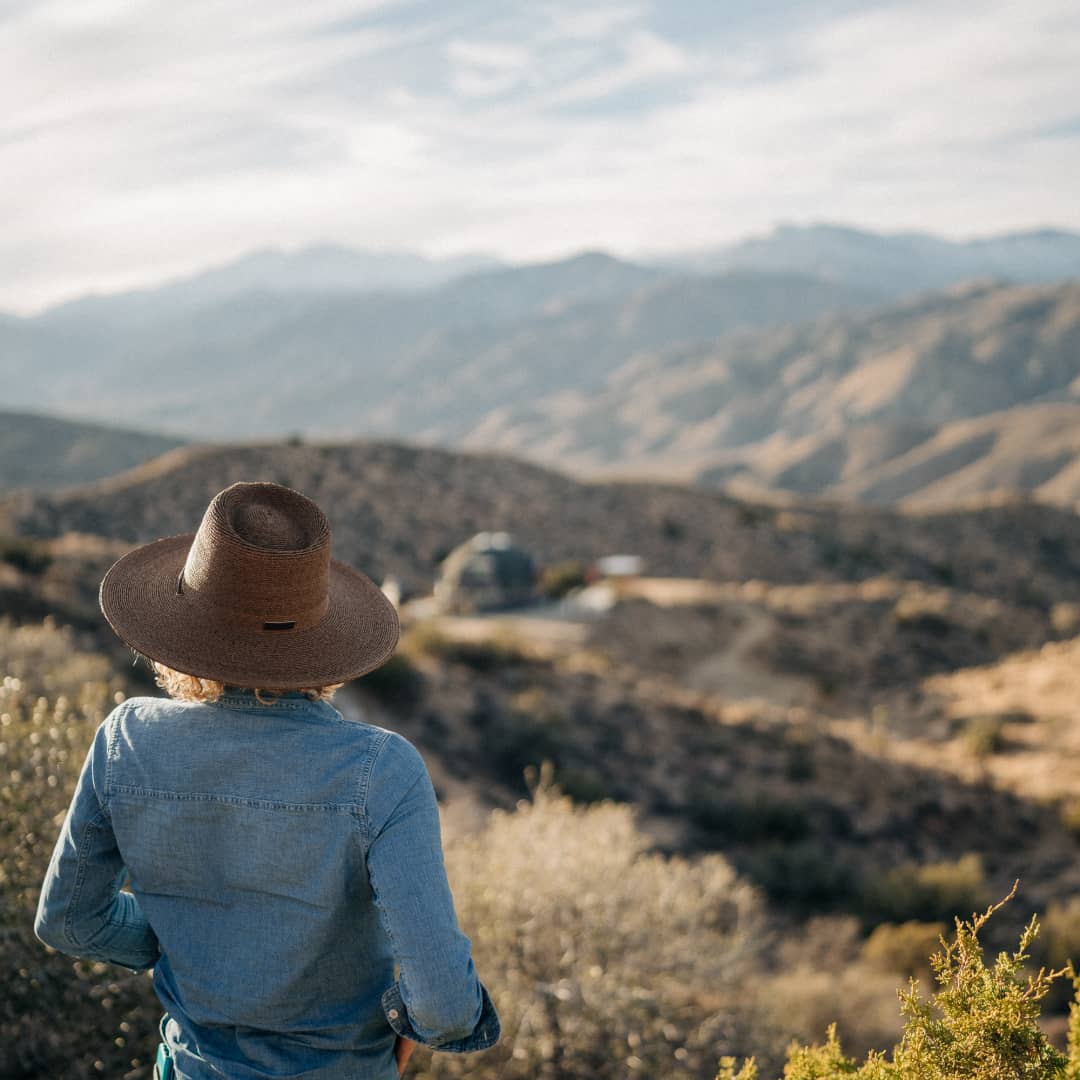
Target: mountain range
[
  {"x": 898, "y": 263},
  {"x": 816, "y": 361}
]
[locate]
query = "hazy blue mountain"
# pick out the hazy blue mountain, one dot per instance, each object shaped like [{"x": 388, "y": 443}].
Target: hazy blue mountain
[
  {"x": 430, "y": 364},
  {"x": 755, "y": 377},
  {"x": 893, "y": 264},
  {"x": 320, "y": 269}
]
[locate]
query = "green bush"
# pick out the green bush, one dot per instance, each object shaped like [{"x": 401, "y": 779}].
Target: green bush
[
  {"x": 424, "y": 638},
  {"x": 984, "y": 735},
  {"x": 502, "y": 648},
  {"x": 982, "y": 1023},
  {"x": 397, "y": 683},
  {"x": 760, "y": 817},
  {"x": 926, "y": 893},
  {"x": 1058, "y": 945},
  {"x": 903, "y": 948},
  {"x": 1070, "y": 816},
  {"x": 24, "y": 555},
  {"x": 804, "y": 876}
]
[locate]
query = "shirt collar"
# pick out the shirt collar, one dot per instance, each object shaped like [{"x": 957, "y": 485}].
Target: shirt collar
[{"x": 239, "y": 698}]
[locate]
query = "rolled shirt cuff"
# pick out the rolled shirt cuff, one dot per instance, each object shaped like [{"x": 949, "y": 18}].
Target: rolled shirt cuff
[{"x": 485, "y": 1034}]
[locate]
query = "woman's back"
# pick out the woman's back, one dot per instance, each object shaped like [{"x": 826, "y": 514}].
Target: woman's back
[
  {"x": 286, "y": 857},
  {"x": 287, "y": 878}
]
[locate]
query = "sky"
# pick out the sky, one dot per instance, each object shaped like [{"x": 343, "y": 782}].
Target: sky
[{"x": 143, "y": 140}]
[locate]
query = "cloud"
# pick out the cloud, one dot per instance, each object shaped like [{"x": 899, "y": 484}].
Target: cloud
[{"x": 144, "y": 140}]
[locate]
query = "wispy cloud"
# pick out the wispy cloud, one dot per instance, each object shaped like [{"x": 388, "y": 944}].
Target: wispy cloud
[{"x": 140, "y": 140}]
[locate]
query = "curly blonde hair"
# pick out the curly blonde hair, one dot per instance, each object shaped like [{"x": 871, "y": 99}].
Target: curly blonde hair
[{"x": 192, "y": 688}]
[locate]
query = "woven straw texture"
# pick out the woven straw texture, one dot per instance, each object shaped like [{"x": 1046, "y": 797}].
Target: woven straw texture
[{"x": 253, "y": 599}]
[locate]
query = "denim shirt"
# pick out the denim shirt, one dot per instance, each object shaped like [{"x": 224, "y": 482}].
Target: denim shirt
[{"x": 287, "y": 887}]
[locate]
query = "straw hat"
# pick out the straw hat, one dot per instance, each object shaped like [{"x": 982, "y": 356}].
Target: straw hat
[{"x": 252, "y": 599}]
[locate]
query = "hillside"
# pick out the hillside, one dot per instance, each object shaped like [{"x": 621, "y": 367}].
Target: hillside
[
  {"x": 48, "y": 452},
  {"x": 397, "y": 509},
  {"x": 813, "y": 692},
  {"x": 933, "y": 399},
  {"x": 809, "y": 617}
]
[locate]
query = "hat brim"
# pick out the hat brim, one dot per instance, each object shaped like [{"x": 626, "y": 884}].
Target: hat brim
[{"x": 140, "y": 601}]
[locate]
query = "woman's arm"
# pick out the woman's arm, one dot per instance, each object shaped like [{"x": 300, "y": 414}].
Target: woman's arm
[
  {"x": 82, "y": 910},
  {"x": 437, "y": 998}
]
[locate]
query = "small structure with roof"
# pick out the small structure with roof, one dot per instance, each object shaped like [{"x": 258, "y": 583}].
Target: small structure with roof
[{"x": 486, "y": 573}]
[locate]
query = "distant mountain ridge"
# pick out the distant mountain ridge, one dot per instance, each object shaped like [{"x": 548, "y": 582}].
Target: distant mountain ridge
[
  {"x": 888, "y": 264},
  {"x": 899, "y": 263},
  {"x": 785, "y": 371},
  {"x": 429, "y": 366},
  {"x": 320, "y": 268}
]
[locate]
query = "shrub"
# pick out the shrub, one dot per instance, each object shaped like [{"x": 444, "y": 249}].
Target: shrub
[
  {"x": 796, "y": 1004},
  {"x": 522, "y": 740},
  {"x": 52, "y": 698},
  {"x": 424, "y": 638},
  {"x": 1059, "y": 944},
  {"x": 606, "y": 959},
  {"x": 761, "y": 817},
  {"x": 24, "y": 555},
  {"x": 397, "y": 683},
  {"x": 984, "y": 735},
  {"x": 583, "y": 785},
  {"x": 1070, "y": 816},
  {"x": 427, "y": 638},
  {"x": 926, "y": 893},
  {"x": 804, "y": 876},
  {"x": 903, "y": 948},
  {"x": 672, "y": 529},
  {"x": 799, "y": 762},
  {"x": 982, "y": 1023}
]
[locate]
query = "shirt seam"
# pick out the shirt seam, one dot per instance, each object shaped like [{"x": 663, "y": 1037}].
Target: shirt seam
[
  {"x": 365, "y": 786},
  {"x": 80, "y": 877},
  {"x": 112, "y": 735},
  {"x": 230, "y": 800}
]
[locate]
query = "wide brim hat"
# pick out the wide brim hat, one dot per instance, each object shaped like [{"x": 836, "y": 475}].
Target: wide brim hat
[{"x": 253, "y": 598}]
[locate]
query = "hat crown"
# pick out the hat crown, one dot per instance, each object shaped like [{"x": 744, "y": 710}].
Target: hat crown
[{"x": 261, "y": 554}]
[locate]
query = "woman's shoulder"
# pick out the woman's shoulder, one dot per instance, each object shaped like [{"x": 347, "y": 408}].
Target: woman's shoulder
[
  {"x": 394, "y": 755},
  {"x": 397, "y": 767}
]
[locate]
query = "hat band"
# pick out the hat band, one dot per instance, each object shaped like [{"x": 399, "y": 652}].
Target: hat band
[{"x": 245, "y": 618}]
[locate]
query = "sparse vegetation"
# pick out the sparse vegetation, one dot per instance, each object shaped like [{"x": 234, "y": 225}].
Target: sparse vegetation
[
  {"x": 569, "y": 928},
  {"x": 927, "y": 893},
  {"x": 984, "y": 735},
  {"x": 981, "y": 1023},
  {"x": 743, "y": 821},
  {"x": 426, "y": 638},
  {"x": 24, "y": 554},
  {"x": 565, "y": 903},
  {"x": 397, "y": 683},
  {"x": 903, "y": 948},
  {"x": 1070, "y": 816}
]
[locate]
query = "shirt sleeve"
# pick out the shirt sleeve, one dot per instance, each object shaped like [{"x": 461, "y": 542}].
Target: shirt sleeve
[
  {"x": 436, "y": 998},
  {"x": 82, "y": 910}
]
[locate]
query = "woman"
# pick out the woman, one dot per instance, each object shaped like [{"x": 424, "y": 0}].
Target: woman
[{"x": 285, "y": 864}]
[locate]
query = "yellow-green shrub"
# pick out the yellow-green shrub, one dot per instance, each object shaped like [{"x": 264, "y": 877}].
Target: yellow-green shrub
[{"x": 982, "y": 1023}]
